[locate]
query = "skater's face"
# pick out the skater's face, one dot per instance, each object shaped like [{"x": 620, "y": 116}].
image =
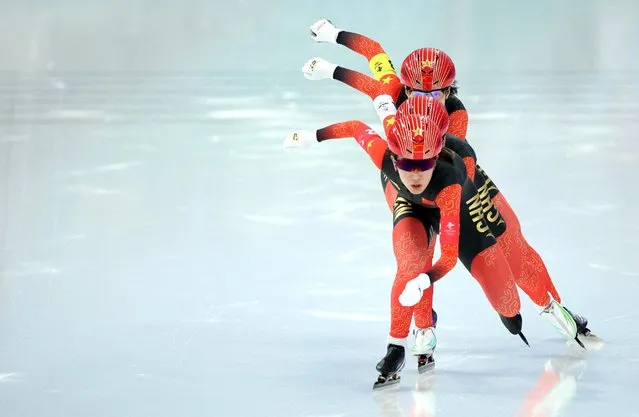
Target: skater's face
[
  {"x": 415, "y": 175},
  {"x": 440, "y": 95}
]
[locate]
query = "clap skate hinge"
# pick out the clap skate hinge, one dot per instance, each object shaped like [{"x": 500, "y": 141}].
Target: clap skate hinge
[{"x": 562, "y": 320}]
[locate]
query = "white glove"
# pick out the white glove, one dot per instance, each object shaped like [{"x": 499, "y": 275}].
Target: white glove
[
  {"x": 324, "y": 31},
  {"x": 384, "y": 106},
  {"x": 414, "y": 290},
  {"x": 300, "y": 139},
  {"x": 318, "y": 69}
]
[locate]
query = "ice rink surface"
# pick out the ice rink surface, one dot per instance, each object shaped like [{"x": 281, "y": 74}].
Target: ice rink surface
[{"x": 161, "y": 255}]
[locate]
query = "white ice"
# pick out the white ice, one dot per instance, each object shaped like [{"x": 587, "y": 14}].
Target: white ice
[{"x": 161, "y": 255}]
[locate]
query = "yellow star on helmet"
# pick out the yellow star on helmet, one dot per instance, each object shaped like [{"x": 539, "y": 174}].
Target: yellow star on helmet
[
  {"x": 418, "y": 131},
  {"x": 390, "y": 121},
  {"x": 427, "y": 63}
]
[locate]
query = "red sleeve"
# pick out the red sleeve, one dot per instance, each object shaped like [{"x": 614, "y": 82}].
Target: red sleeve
[
  {"x": 366, "y": 137},
  {"x": 379, "y": 62},
  {"x": 449, "y": 202},
  {"x": 363, "y": 45},
  {"x": 458, "y": 123},
  {"x": 361, "y": 82}
]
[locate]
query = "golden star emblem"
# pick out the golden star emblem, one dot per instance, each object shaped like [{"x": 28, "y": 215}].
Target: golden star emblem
[
  {"x": 387, "y": 79},
  {"x": 390, "y": 121},
  {"x": 427, "y": 63},
  {"x": 418, "y": 131}
]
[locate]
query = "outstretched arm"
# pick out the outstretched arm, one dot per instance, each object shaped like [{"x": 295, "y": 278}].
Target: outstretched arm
[
  {"x": 383, "y": 102},
  {"x": 359, "y": 81},
  {"x": 379, "y": 62},
  {"x": 319, "y": 69},
  {"x": 366, "y": 137}
]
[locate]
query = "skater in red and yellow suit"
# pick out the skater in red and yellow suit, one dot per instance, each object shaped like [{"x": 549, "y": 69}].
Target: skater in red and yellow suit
[
  {"x": 431, "y": 194},
  {"x": 431, "y": 72}
]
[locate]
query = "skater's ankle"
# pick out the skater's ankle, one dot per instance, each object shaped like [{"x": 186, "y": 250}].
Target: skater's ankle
[{"x": 399, "y": 341}]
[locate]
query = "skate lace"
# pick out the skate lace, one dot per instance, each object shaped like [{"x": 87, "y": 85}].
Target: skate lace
[
  {"x": 419, "y": 333},
  {"x": 421, "y": 337}
]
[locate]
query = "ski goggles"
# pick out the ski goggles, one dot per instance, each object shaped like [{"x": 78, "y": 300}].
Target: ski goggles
[
  {"x": 406, "y": 164},
  {"x": 432, "y": 93}
]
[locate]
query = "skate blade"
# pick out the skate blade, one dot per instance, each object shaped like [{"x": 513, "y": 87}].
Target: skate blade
[
  {"x": 388, "y": 382},
  {"x": 425, "y": 363},
  {"x": 521, "y": 335},
  {"x": 588, "y": 342},
  {"x": 422, "y": 369}
]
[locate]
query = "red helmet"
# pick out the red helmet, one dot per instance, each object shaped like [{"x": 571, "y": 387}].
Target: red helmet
[
  {"x": 415, "y": 136},
  {"x": 426, "y": 106},
  {"x": 428, "y": 69}
]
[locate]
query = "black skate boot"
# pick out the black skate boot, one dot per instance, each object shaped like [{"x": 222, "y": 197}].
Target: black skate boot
[
  {"x": 514, "y": 325},
  {"x": 570, "y": 325},
  {"x": 584, "y": 334},
  {"x": 390, "y": 366},
  {"x": 580, "y": 321}
]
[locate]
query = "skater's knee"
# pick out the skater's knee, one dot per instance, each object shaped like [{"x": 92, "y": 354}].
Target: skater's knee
[
  {"x": 412, "y": 255},
  {"x": 409, "y": 268}
]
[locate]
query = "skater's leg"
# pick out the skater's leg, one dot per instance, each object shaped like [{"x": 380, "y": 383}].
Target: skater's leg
[
  {"x": 411, "y": 248},
  {"x": 492, "y": 272},
  {"x": 481, "y": 254},
  {"x": 411, "y": 239},
  {"x": 424, "y": 316},
  {"x": 528, "y": 268},
  {"x": 534, "y": 266},
  {"x": 418, "y": 311},
  {"x": 423, "y": 312},
  {"x": 425, "y": 339},
  {"x": 529, "y": 271},
  {"x": 425, "y": 320}
]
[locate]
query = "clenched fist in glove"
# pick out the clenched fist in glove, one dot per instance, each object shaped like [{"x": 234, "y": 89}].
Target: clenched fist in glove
[
  {"x": 324, "y": 31},
  {"x": 414, "y": 290},
  {"x": 300, "y": 139},
  {"x": 318, "y": 69}
]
